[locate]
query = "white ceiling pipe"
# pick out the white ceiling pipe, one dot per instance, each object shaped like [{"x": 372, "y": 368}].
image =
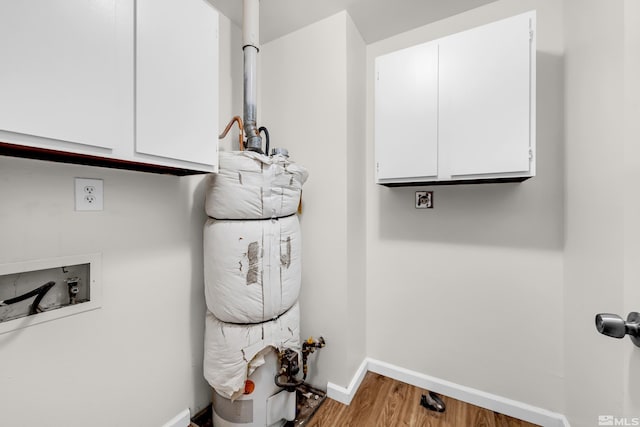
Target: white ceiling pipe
[
  {"x": 250, "y": 39},
  {"x": 251, "y": 23}
]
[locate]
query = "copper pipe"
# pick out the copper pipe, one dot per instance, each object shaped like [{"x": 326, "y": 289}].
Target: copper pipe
[{"x": 238, "y": 120}]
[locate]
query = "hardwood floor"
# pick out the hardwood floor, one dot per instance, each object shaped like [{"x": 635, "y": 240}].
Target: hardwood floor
[{"x": 382, "y": 401}]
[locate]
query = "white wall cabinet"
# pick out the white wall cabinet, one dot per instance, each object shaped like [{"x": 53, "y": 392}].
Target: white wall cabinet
[
  {"x": 58, "y": 79},
  {"x": 99, "y": 82},
  {"x": 406, "y": 107},
  {"x": 473, "y": 122},
  {"x": 177, "y": 80}
]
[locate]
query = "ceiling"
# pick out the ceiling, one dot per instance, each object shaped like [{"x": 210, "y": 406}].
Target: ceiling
[{"x": 376, "y": 19}]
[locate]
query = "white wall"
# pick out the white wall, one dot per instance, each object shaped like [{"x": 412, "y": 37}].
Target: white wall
[
  {"x": 231, "y": 80},
  {"x": 472, "y": 291},
  {"x": 356, "y": 200},
  {"x": 138, "y": 359},
  {"x": 312, "y": 103}
]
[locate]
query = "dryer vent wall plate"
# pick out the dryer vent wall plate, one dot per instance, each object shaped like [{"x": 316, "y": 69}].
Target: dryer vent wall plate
[{"x": 424, "y": 199}]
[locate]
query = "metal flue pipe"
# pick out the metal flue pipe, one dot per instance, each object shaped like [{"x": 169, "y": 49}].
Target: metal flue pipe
[{"x": 250, "y": 42}]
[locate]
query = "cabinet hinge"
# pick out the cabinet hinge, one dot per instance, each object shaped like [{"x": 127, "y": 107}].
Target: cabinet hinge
[
  {"x": 530, "y": 35},
  {"x": 377, "y": 167},
  {"x": 530, "y": 154}
]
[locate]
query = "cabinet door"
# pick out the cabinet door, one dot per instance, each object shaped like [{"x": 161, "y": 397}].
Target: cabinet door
[
  {"x": 406, "y": 116},
  {"x": 57, "y": 78},
  {"x": 485, "y": 99},
  {"x": 177, "y": 80}
]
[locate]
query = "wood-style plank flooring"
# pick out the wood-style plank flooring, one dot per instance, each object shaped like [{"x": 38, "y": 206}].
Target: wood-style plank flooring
[{"x": 382, "y": 401}]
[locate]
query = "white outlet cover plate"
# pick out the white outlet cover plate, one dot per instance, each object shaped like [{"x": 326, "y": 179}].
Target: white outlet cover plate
[{"x": 89, "y": 194}]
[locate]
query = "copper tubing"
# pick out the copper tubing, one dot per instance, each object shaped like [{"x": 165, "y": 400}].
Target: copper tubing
[{"x": 238, "y": 120}]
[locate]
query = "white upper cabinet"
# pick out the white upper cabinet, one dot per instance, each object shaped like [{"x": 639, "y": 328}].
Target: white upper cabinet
[
  {"x": 485, "y": 90},
  {"x": 122, "y": 83},
  {"x": 485, "y": 114},
  {"x": 58, "y": 78},
  {"x": 406, "y": 113},
  {"x": 177, "y": 80}
]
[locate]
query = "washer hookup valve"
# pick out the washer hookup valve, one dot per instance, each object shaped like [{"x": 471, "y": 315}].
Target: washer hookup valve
[{"x": 72, "y": 283}]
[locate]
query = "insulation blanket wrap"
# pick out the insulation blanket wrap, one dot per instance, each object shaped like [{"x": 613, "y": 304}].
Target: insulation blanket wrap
[
  {"x": 233, "y": 352},
  {"x": 251, "y": 268},
  {"x": 250, "y": 185}
]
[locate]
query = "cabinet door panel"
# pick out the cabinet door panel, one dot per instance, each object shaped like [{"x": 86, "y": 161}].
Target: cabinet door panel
[
  {"x": 58, "y": 78},
  {"x": 485, "y": 106},
  {"x": 406, "y": 117},
  {"x": 177, "y": 80}
]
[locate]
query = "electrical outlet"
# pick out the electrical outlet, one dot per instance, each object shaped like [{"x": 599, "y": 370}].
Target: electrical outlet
[
  {"x": 424, "y": 199},
  {"x": 89, "y": 194}
]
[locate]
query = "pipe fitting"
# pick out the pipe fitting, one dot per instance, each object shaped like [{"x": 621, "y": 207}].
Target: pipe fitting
[{"x": 74, "y": 289}]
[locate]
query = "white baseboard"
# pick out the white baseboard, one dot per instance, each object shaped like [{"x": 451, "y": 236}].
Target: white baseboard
[
  {"x": 183, "y": 419},
  {"x": 480, "y": 398},
  {"x": 344, "y": 395}
]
